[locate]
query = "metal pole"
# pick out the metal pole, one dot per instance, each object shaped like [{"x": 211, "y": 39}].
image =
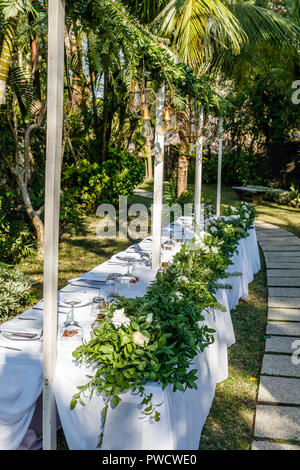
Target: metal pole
[
  {"x": 220, "y": 154},
  {"x": 158, "y": 180},
  {"x": 198, "y": 173},
  {"x": 55, "y": 84}
]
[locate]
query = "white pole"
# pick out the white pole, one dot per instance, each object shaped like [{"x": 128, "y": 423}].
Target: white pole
[
  {"x": 158, "y": 180},
  {"x": 220, "y": 154},
  {"x": 55, "y": 84},
  {"x": 198, "y": 173}
]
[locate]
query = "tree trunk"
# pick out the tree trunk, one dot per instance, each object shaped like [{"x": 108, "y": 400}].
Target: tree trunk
[
  {"x": 5, "y": 57},
  {"x": 33, "y": 215},
  {"x": 182, "y": 174},
  {"x": 34, "y": 52}
]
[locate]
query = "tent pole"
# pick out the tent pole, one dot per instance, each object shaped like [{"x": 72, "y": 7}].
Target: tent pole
[
  {"x": 158, "y": 180},
  {"x": 55, "y": 83},
  {"x": 198, "y": 173},
  {"x": 220, "y": 154}
]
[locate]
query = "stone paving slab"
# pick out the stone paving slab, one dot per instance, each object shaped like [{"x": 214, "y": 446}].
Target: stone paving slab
[
  {"x": 284, "y": 292},
  {"x": 284, "y": 302},
  {"x": 265, "y": 445},
  {"x": 271, "y": 234},
  {"x": 276, "y": 364},
  {"x": 284, "y": 265},
  {"x": 283, "y": 281},
  {"x": 284, "y": 248},
  {"x": 286, "y": 328},
  {"x": 280, "y": 241},
  {"x": 277, "y": 422},
  {"x": 143, "y": 193},
  {"x": 284, "y": 314},
  {"x": 279, "y": 390},
  {"x": 280, "y": 344},
  {"x": 283, "y": 272}
]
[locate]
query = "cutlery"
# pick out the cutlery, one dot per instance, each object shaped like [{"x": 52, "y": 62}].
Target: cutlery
[
  {"x": 27, "y": 318},
  {"x": 21, "y": 335},
  {"x": 8, "y": 347}
]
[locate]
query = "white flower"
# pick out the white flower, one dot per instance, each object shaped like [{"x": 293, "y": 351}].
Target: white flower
[
  {"x": 149, "y": 318},
  {"x": 139, "y": 339},
  {"x": 179, "y": 295},
  {"x": 246, "y": 215},
  {"x": 213, "y": 229},
  {"x": 119, "y": 319},
  {"x": 214, "y": 249}
]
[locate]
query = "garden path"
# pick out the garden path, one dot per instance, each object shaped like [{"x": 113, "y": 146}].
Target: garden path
[{"x": 277, "y": 421}]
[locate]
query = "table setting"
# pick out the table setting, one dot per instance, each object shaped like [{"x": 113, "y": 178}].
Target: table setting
[{"x": 82, "y": 302}]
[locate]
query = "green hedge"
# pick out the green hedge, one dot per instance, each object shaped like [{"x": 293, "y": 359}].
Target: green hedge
[
  {"x": 281, "y": 196},
  {"x": 14, "y": 291}
]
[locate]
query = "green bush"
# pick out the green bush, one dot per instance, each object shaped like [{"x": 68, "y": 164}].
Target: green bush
[
  {"x": 16, "y": 236},
  {"x": 14, "y": 291},
  {"x": 281, "y": 196},
  {"x": 90, "y": 184},
  {"x": 237, "y": 169}
]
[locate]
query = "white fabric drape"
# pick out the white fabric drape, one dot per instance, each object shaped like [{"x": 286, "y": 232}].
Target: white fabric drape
[{"x": 182, "y": 414}]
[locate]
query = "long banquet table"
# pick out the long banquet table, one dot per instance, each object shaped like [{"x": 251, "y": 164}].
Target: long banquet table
[{"x": 182, "y": 414}]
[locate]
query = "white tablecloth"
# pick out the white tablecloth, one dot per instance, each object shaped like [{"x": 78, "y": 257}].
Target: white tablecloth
[{"x": 182, "y": 414}]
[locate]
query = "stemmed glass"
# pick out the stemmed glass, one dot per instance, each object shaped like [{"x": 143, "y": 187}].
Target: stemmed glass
[
  {"x": 129, "y": 276},
  {"x": 71, "y": 333},
  {"x": 168, "y": 245},
  {"x": 112, "y": 281}
]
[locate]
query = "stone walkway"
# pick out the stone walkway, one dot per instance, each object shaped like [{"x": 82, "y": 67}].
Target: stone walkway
[
  {"x": 143, "y": 193},
  {"x": 277, "y": 421}
]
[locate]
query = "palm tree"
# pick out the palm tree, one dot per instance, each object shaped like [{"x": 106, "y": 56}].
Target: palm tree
[
  {"x": 9, "y": 14},
  {"x": 203, "y": 33},
  {"x": 5, "y": 57}
]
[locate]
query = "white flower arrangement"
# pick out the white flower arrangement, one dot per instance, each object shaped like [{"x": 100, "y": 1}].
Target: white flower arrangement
[
  {"x": 139, "y": 339},
  {"x": 119, "y": 319}
]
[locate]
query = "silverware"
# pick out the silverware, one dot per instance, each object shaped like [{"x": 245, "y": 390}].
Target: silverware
[
  {"x": 20, "y": 334},
  {"x": 27, "y": 318},
  {"x": 8, "y": 347}
]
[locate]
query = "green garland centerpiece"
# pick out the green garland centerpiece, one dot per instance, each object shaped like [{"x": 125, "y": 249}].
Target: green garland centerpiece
[{"x": 156, "y": 337}]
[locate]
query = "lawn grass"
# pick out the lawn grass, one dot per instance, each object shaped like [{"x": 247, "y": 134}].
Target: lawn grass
[
  {"x": 231, "y": 419},
  {"x": 230, "y": 423}
]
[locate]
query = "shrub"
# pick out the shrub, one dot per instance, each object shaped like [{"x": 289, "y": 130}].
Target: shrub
[
  {"x": 91, "y": 183},
  {"x": 16, "y": 237},
  {"x": 281, "y": 196},
  {"x": 14, "y": 291}
]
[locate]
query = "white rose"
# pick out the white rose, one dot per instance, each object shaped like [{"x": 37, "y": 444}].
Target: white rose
[
  {"x": 139, "y": 339},
  {"x": 119, "y": 319},
  {"x": 149, "y": 318},
  {"x": 214, "y": 249}
]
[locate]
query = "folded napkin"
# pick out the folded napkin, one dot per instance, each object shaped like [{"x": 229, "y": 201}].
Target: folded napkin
[
  {"x": 125, "y": 254},
  {"x": 94, "y": 276},
  {"x": 32, "y": 327}
]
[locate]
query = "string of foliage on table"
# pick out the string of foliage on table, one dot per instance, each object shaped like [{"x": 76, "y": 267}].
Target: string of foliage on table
[{"x": 156, "y": 337}]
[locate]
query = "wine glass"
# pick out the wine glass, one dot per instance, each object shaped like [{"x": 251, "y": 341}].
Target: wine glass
[
  {"x": 99, "y": 306},
  {"x": 168, "y": 245},
  {"x": 111, "y": 285},
  {"x": 71, "y": 333}
]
